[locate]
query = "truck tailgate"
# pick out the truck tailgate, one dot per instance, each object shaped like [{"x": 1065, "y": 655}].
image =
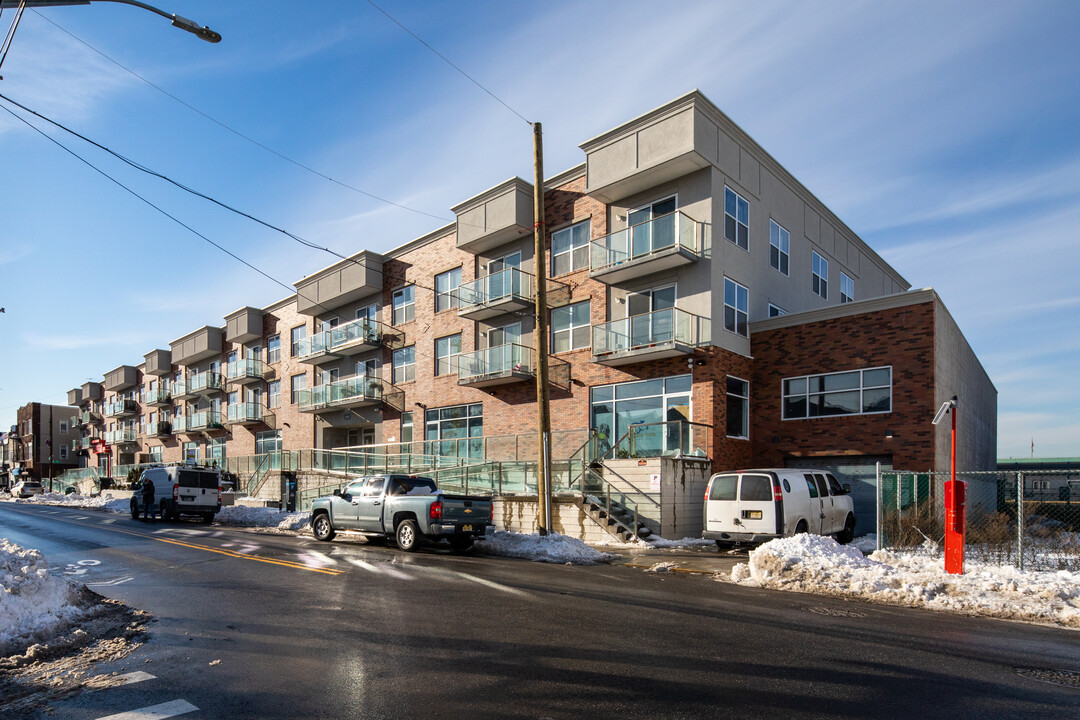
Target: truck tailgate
[{"x": 466, "y": 510}]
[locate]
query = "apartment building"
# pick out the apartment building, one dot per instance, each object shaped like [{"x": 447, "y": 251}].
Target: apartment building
[
  {"x": 691, "y": 281},
  {"x": 39, "y": 445}
]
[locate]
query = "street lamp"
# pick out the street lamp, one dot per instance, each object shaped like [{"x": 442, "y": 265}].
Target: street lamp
[{"x": 181, "y": 22}]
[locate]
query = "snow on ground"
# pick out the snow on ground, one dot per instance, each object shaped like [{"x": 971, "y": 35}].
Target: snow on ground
[
  {"x": 106, "y": 500},
  {"x": 553, "y": 548},
  {"x": 917, "y": 578},
  {"x": 262, "y": 517},
  {"x": 33, "y": 604},
  {"x": 684, "y": 543}
]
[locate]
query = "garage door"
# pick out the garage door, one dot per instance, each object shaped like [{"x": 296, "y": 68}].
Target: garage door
[{"x": 858, "y": 471}]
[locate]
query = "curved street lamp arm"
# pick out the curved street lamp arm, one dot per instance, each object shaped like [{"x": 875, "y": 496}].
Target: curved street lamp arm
[{"x": 181, "y": 22}]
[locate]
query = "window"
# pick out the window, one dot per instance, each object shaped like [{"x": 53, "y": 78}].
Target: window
[
  {"x": 273, "y": 393},
  {"x": 63, "y": 427},
  {"x": 652, "y": 227},
  {"x": 821, "y": 276},
  {"x": 644, "y": 418},
  {"x": 738, "y": 408},
  {"x": 215, "y": 450},
  {"x": 779, "y": 247},
  {"x": 571, "y": 328},
  {"x": 446, "y": 290},
  {"x": 570, "y": 248},
  {"x": 157, "y": 453},
  {"x": 404, "y": 305},
  {"x": 847, "y": 289},
  {"x": 736, "y": 219},
  {"x": 267, "y": 442},
  {"x": 857, "y": 392},
  {"x": 368, "y": 312},
  {"x": 63, "y": 452},
  {"x": 273, "y": 349},
  {"x": 330, "y": 376},
  {"x": 776, "y": 310},
  {"x": 455, "y": 431},
  {"x": 406, "y": 427},
  {"x": 295, "y": 336},
  {"x": 736, "y": 304},
  {"x": 296, "y": 384},
  {"x": 447, "y": 350},
  {"x": 405, "y": 364},
  {"x": 191, "y": 452}
]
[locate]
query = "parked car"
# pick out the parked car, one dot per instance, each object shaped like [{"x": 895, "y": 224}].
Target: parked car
[
  {"x": 755, "y": 506},
  {"x": 407, "y": 508},
  {"x": 180, "y": 490},
  {"x": 26, "y": 488}
]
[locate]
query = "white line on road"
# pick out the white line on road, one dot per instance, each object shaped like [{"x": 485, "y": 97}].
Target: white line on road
[
  {"x": 472, "y": 578},
  {"x": 155, "y": 712},
  {"x": 130, "y": 678},
  {"x": 314, "y": 558},
  {"x": 382, "y": 568},
  {"x": 115, "y": 581},
  {"x": 81, "y": 517}
]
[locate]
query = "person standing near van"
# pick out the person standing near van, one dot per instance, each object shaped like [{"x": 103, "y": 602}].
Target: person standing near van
[{"x": 147, "y": 498}]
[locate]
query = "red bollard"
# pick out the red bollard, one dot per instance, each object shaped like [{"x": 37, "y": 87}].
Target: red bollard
[{"x": 955, "y": 526}]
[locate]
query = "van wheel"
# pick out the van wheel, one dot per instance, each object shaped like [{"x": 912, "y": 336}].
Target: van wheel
[
  {"x": 407, "y": 535},
  {"x": 322, "y": 528},
  {"x": 848, "y": 533},
  {"x": 208, "y": 518},
  {"x": 134, "y": 510},
  {"x": 802, "y": 528}
]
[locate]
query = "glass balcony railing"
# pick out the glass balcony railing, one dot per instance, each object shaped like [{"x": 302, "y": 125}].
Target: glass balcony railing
[
  {"x": 121, "y": 407},
  {"x": 159, "y": 429},
  {"x": 499, "y": 360},
  {"x": 350, "y": 391},
  {"x": 159, "y": 397},
  {"x": 360, "y": 334},
  {"x": 205, "y": 420},
  {"x": 179, "y": 424},
  {"x": 75, "y": 421},
  {"x": 499, "y": 287},
  {"x": 207, "y": 382},
  {"x": 668, "y": 327},
  {"x": 247, "y": 369},
  {"x": 249, "y": 412},
  {"x": 644, "y": 240},
  {"x": 125, "y": 435}
]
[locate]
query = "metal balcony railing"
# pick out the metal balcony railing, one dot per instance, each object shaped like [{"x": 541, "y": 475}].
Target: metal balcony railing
[
  {"x": 499, "y": 360},
  {"x": 247, "y": 369},
  {"x": 355, "y": 336},
  {"x": 205, "y": 420},
  {"x": 125, "y": 435},
  {"x": 206, "y": 382},
  {"x": 159, "y": 429},
  {"x": 121, "y": 407},
  {"x": 501, "y": 286},
  {"x": 249, "y": 412},
  {"x": 644, "y": 240},
  {"x": 351, "y": 391},
  {"x": 159, "y": 397}
]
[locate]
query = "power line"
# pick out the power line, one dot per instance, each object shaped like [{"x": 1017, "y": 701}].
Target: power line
[
  {"x": 447, "y": 61},
  {"x": 238, "y": 133}
]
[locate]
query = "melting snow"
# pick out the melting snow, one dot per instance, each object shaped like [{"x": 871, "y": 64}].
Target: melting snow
[
  {"x": 553, "y": 548},
  {"x": 33, "y": 603}
]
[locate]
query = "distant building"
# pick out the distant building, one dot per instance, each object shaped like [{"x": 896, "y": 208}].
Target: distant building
[{"x": 39, "y": 445}]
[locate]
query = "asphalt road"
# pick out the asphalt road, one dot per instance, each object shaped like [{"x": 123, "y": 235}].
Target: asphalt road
[{"x": 252, "y": 625}]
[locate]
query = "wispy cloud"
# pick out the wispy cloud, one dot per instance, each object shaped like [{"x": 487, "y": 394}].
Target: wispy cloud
[{"x": 14, "y": 253}]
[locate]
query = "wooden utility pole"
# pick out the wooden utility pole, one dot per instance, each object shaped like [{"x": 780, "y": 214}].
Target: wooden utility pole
[{"x": 543, "y": 397}]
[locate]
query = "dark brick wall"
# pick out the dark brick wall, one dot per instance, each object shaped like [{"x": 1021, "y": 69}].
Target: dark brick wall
[{"x": 900, "y": 337}]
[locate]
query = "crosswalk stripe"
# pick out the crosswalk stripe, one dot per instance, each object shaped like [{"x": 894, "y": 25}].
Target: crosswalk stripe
[
  {"x": 382, "y": 568},
  {"x": 128, "y": 678},
  {"x": 155, "y": 712}
]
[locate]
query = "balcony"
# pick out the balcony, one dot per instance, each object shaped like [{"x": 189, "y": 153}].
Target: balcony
[
  {"x": 349, "y": 339},
  {"x": 158, "y": 397},
  {"x": 121, "y": 408},
  {"x": 249, "y": 370},
  {"x": 179, "y": 425},
  {"x": 204, "y": 420},
  {"x": 249, "y": 414},
  {"x": 663, "y": 243},
  {"x": 89, "y": 417},
  {"x": 506, "y": 291},
  {"x": 122, "y": 378},
  {"x": 75, "y": 421},
  {"x": 507, "y": 364},
  {"x": 650, "y": 336},
  {"x": 203, "y": 384},
  {"x": 122, "y": 437},
  {"x": 159, "y": 429},
  {"x": 352, "y": 392},
  {"x": 352, "y": 279}
]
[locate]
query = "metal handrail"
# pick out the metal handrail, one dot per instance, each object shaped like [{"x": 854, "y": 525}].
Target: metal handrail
[{"x": 634, "y": 430}]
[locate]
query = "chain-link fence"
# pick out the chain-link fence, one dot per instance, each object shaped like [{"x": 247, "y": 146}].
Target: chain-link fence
[{"x": 1043, "y": 535}]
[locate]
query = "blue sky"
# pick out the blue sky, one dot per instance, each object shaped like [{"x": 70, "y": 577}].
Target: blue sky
[{"x": 946, "y": 134}]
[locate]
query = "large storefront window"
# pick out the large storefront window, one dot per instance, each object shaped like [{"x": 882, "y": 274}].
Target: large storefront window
[
  {"x": 455, "y": 431},
  {"x": 269, "y": 442},
  {"x": 647, "y": 418}
]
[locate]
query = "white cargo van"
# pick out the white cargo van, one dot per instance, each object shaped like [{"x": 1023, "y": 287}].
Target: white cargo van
[
  {"x": 180, "y": 490},
  {"x": 755, "y": 506}
]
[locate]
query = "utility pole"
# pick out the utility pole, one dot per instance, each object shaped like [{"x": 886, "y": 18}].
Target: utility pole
[{"x": 543, "y": 396}]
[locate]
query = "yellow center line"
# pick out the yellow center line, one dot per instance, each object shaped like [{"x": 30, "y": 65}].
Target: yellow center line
[{"x": 195, "y": 546}]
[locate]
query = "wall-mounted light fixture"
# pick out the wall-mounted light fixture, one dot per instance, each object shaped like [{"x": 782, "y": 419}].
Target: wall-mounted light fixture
[
  {"x": 420, "y": 405},
  {"x": 888, "y": 435}
]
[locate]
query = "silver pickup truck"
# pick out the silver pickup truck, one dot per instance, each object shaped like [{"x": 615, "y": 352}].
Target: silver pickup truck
[{"x": 409, "y": 509}]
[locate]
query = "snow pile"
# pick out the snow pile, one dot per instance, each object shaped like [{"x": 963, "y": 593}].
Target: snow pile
[
  {"x": 34, "y": 605},
  {"x": 106, "y": 501},
  {"x": 662, "y": 567},
  {"x": 553, "y": 548},
  {"x": 262, "y": 517},
  {"x": 812, "y": 563},
  {"x": 684, "y": 543}
]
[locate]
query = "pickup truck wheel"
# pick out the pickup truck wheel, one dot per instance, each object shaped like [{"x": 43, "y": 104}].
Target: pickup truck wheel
[
  {"x": 407, "y": 535},
  {"x": 322, "y": 528},
  {"x": 461, "y": 544},
  {"x": 848, "y": 533}
]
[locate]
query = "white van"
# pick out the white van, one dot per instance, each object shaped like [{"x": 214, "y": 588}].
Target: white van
[
  {"x": 180, "y": 490},
  {"x": 755, "y": 506}
]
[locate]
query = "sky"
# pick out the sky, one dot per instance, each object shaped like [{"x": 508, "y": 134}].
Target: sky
[{"x": 947, "y": 135}]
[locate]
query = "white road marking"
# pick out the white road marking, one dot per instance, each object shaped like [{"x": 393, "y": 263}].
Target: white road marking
[
  {"x": 116, "y": 581},
  {"x": 108, "y": 521},
  {"x": 472, "y": 578},
  {"x": 381, "y": 568},
  {"x": 81, "y": 517},
  {"x": 155, "y": 712},
  {"x": 131, "y": 678}
]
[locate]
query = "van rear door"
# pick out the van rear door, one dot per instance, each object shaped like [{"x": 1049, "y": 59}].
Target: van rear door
[
  {"x": 720, "y": 505},
  {"x": 198, "y": 487},
  {"x": 757, "y": 506},
  {"x": 817, "y": 508}
]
